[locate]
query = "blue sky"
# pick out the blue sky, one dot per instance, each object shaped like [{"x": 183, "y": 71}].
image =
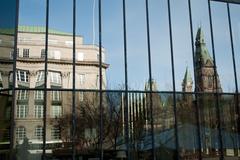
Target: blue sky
[{"x": 32, "y": 12}]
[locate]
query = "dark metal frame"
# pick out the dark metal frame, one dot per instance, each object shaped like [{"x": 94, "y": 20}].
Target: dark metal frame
[{"x": 126, "y": 91}]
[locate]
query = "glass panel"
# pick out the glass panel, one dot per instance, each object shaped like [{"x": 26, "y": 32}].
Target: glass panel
[
  {"x": 31, "y": 40},
  {"x": 182, "y": 46},
  {"x": 164, "y": 131},
  {"x": 230, "y": 134},
  {"x": 60, "y": 44},
  {"x": 5, "y": 107},
  {"x": 87, "y": 50},
  {"x": 137, "y": 45},
  {"x": 160, "y": 46},
  {"x": 112, "y": 37},
  {"x": 59, "y": 125},
  {"x": 28, "y": 139},
  {"x": 209, "y": 125},
  {"x": 87, "y": 124},
  {"x": 7, "y": 35},
  {"x": 114, "y": 143},
  {"x": 187, "y": 126},
  {"x": 223, "y": 50},
  {"x": 235, "y": 12}
]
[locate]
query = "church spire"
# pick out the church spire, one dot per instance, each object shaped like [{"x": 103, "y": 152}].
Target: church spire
[
  {"x": 200, "y": 37},
  {"x": 187, "y": 81},
  {"x": 204, "y": 67},
  {"x": 203, "y": 57}
]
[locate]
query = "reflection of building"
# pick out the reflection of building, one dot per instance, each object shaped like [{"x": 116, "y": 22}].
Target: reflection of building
[
  {"x": 187, "y": 104},
  {"x": 205, "y": 76},
  {"x": 30, "y": 73}
]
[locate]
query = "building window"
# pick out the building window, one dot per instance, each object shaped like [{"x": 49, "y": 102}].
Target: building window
[
  {"x": 82, "y": 79},
  {"x": 56, "y": 111},
  {"x": 81, "y": 96},
  {"x": 55, "y": 133},
  {"x": 43, "y": 53},
  {"x": 80, "y": 56},
  {"x": 56, "y": 95},
  {"x": 54, "y": 54},
  {"x": 38, "y": 111},
  {"x": 22, "y": 111},
  {"x": 20, "y": 133},
  {"x": 26, "y": 53},
  {"x": 55, "y": 77},
  {"x": 22, "y": 76},
  {"x": 23, "y": 95},
  {"x": 38, "y": 95},
  {"x": 39, "y": 132},
  {"x": 210, "y": 81},
  {"x": 69, "y": 43},
  {"x": 40, "y": 76},
  {"x": 12, "y": 53}
]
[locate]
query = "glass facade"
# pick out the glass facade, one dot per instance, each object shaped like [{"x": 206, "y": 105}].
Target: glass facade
[{"x": 136, "y": 80}]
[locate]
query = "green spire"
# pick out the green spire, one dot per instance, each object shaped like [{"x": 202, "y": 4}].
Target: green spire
[
  {"x": 187, "y": 77},
  {"x": 202, "y": 53},
  {"x": 200, "y": 36}
]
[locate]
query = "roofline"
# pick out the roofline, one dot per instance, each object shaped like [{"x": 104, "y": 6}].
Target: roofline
[{"x": 58, "y": 34}]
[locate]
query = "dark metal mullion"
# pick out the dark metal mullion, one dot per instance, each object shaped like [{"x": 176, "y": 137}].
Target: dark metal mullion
[
  {"x": 150, "y": 78},
  {"x": 173, "y": 80},
  {"x": 216, "y": 82},
  {"x": 195, "y": 82},
  {"x": 74, "y": 85},
  {"x": 126, "y": 80},
  {"x": 235, "y": 70},
  {"x": 100, "y": 76},
  {"x": 12, "y": 127},
  {"x": 45, "y": 82}
]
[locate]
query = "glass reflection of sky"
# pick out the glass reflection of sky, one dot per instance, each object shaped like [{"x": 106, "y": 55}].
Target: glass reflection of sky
[{"x": 32, "y": 12}]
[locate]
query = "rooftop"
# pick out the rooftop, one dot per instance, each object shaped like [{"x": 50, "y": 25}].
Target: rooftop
[{"x": 34, "y": 29}]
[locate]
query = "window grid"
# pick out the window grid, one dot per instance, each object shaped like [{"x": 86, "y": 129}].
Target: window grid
[
  {"x": 38, "y": 111},
  {"x": 56, "y": 95},
  {"x": 56, "y": 111},
  {"x": 39, "y": 95},
  {"x": 22, "y": 111},
  {"x": 55, "y": 133},
  {"x": 22, "y": 76},
  {"x": 23, "y": 94},
  {"x": 25, "y": 53},
  {"x": 20, "y": 133},
  {"x": 42, "y": 53},
  {"x": 40, "y": 76},
  {"x": 55, "y": 77},
  {"x": 39, "y": 132}
]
